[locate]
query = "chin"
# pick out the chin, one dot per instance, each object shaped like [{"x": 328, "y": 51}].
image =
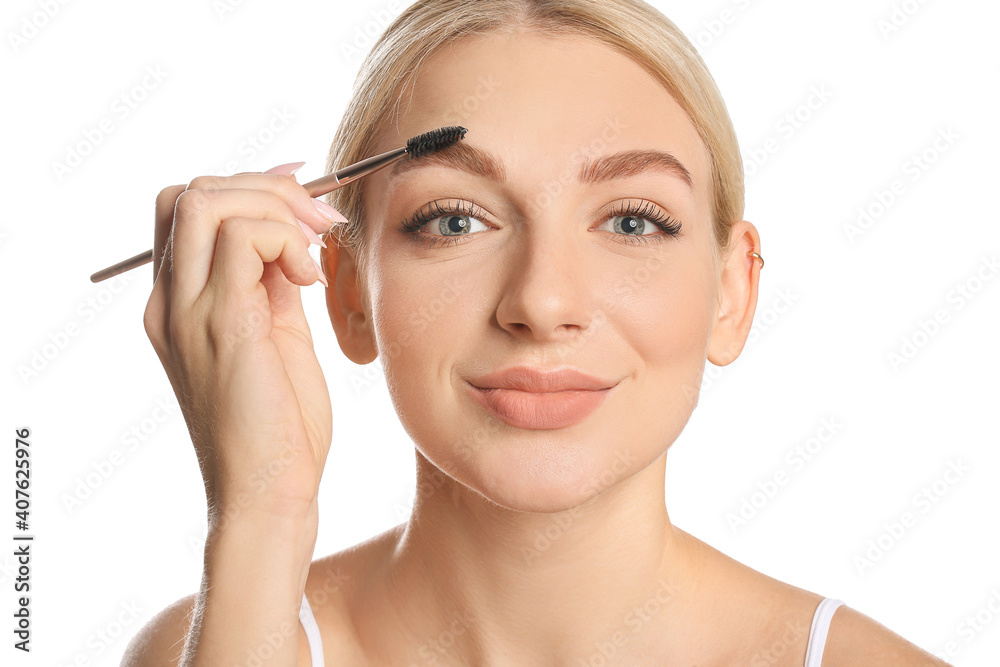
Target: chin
[{"x": 540, "y": 473}]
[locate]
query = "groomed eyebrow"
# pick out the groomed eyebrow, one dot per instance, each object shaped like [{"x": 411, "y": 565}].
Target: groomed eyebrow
[{"x": 469, "y": 158}]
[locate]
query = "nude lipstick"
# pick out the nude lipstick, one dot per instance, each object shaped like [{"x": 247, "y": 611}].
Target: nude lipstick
[{"x": 530, "y": 398}]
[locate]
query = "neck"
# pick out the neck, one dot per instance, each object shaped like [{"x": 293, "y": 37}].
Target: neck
[{"x": 483, "y": 584}]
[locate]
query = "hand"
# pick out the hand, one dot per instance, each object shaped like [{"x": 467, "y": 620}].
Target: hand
[{"x": 225, "y": 318}]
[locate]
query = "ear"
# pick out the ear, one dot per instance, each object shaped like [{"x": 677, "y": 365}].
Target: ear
[
  {"x": 351, "y": 320},
  {"x": 737, "y": 294}
]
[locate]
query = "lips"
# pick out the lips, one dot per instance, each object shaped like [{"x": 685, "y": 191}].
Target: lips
[
  {"x": 533, "y": 399},
  {"x": 525, "y": 378}
]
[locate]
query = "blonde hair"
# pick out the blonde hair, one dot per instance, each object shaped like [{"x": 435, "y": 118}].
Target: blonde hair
[{"x": 632, "y": 27}]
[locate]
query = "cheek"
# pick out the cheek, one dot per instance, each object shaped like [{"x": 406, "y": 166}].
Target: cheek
[
  {"x": 665, "y": 321},
  {"x": 422, "y": 321}
]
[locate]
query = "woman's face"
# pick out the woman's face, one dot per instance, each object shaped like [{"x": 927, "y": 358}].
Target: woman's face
[{"x": 529, "y": 266}]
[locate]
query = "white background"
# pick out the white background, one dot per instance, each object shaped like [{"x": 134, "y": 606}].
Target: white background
[{"x": 822, "y": 354}]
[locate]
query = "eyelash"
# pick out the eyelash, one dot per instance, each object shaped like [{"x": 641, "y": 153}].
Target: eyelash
[{"x": 670, "y": 227}]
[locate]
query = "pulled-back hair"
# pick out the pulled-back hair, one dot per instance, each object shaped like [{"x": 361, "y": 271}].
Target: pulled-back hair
[{"x": 632, "y": 27}]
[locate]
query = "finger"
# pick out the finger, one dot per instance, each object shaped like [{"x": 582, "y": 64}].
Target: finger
[
  {"x": 236, "y": 299},
  {"x": 197, "y": 225},
  {"x": 285, "y": 301},
  {"x": 295, "y": 195},
  {"x": 163, "y": 221},
  {"x": 245, "y": 245}
]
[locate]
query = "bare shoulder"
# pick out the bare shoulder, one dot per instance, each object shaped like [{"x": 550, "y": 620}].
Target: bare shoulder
[
  {"x": 782, "y": 616},
  {"x": 334, "y": 587},
  {"x": 856, "y": 639},
  {"x": 329, "y": 587},
  {"x": 160, "y": 642}
]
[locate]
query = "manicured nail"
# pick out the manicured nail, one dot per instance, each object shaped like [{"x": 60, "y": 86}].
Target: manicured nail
[
  {"x": 331, "y": 214},
  {"x": 319, "y": 272},
  {"x": 310, "y": 234},
  {"x": 285, "y": 169}
]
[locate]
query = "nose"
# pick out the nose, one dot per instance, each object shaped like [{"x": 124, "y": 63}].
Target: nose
[{"x": 549, "y": 294}]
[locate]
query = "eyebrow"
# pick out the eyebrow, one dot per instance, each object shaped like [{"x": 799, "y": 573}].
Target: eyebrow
[{"x": 467, "y": 157}]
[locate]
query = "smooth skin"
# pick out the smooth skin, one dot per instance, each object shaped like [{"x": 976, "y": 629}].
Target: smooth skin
[{"x": 535, "y": 547}]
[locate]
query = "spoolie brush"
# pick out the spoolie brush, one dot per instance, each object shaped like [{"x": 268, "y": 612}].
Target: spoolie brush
[{"x": 415, "y": 147}]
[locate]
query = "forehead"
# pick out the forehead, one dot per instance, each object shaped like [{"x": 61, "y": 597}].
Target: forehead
[{"x": 545, "y": 103}]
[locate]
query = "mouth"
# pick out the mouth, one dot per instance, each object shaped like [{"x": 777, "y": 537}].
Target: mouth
[{"x": 528, "y": 398}]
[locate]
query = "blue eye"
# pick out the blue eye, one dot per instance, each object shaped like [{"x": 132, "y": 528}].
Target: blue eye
[
  {"x": 458, "y": 219},
  {"x": 453, "y": 220},
  {"x": 631, "y": 218}
]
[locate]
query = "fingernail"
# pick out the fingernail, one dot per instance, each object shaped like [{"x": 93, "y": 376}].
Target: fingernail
[
  {"x": 310, "y": 234},
  {"x": 329, "y": 212},
  {"x": 319, "y": 271},
  {"x": 285, "y": 169}
]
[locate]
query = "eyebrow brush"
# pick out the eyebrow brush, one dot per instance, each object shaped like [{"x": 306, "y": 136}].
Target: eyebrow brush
[{"x": 423, "y": 144}]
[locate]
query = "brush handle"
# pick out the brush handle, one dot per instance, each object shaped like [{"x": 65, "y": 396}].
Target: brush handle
[
  {"x": 123, "y": 266},
  {"x": 416, "y": 146},
  {"x": 317, "y": 188}
]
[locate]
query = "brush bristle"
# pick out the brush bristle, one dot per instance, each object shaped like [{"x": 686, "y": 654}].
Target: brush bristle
[{"x": 434, "y": 140}]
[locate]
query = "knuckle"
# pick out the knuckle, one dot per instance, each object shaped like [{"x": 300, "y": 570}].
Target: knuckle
[
  {"x": 151, "y": 319},
  {"x": 167, "y": 196},
  {"x": 206, "y": 183},
  {"x": 234, "y": 229},
  {"x": 191, "y": 202},
  {"x": 290, "y": 189}
]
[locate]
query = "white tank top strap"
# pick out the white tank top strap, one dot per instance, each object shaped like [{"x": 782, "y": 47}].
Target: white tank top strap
[
  {"x": 814, "y": 651},
  {"x": 308, "y": 622},
  {"x": 819, "y": 630}
]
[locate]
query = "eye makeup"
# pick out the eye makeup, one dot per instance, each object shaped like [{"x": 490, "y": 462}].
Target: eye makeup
[{"x": 632, "y": 212}]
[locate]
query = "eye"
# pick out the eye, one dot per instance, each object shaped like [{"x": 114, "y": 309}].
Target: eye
[
  {"x": 631, "y": 225},
  {"x": 454, "y": 224},
  {"x": 630, "y": 221},
  {"x": 449, "y": 221}
]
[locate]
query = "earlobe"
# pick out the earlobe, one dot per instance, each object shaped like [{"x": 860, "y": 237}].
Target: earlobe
[
  {"x": 344, "y": 304},
  {"x": 738, "y": 282}
]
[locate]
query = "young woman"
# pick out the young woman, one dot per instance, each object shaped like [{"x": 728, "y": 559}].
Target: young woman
[{"x": 543, "y": 296}]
